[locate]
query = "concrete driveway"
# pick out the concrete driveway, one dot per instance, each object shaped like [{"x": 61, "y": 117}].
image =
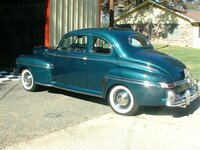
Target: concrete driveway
[{"x": 54, "y": 119}]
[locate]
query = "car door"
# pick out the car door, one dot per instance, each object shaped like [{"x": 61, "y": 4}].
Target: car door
[
  {"x": 99, "y": 62},
  {"x": 69, "y": 62}
]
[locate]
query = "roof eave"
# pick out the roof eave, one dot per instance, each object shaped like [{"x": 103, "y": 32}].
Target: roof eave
[
  {"x": 158, "y": 5},
  {"x": 194, "y": 22},
  {"x": 131, "y": 11}
]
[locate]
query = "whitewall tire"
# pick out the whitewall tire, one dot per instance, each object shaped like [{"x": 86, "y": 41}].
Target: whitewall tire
[
  {"x": 122, "y": 100},
  {"x": 28, "y": 81}
]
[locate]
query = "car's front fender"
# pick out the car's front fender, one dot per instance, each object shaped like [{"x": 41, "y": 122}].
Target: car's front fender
[{"x": 40, "y": 68}]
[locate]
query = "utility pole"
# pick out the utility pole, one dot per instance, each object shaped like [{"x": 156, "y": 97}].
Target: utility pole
[
  {"x": 111, "y": 10},
  {"x": 99, "y": 13}
]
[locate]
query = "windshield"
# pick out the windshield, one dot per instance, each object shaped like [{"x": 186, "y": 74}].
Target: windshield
[{"x": 139, "y": 41}]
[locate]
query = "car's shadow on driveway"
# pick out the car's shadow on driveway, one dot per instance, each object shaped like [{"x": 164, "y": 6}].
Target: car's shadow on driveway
[
  {"x": 84, "y": 97},
  {"x": 173, "y": 111},
  {"x": 150, "y": 110}
]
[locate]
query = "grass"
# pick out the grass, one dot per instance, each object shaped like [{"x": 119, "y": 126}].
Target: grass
[{"x": 189, "y": 56}]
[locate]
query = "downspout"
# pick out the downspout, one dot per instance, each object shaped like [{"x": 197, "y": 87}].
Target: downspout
[{"x": 47, "y": 23}]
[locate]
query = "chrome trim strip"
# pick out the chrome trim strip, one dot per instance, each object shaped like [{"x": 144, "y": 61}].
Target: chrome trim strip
[
  {"x": 182, "y": 81},
  {"x": 185, "y": 100},
  {"x": 131, "y": 80},
  {"x": 198, "y": 85},
  {"x": 102, "y": 60},
  {"x": 48, "y": 85},
  {"x": 76, "y": 57},
  {"x": 127, "y": 63},
  {"x": 137, "y": 65},
  {"x": 52, "y": 54},
  {"x": 85, "y": 57},
  {"x": 36, "y": 65}
]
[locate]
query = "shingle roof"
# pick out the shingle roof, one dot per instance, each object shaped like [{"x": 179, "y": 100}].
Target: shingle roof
[{"x": 193, "y": 14}]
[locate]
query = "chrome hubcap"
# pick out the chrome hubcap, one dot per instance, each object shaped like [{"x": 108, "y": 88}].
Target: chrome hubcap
[
  {"x": 28, "y": 79},
  {"x": 121, "y": 98}
]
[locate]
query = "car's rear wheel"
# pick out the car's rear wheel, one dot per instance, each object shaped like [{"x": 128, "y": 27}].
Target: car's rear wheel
[
  {"x": 122, "y": 100},
  {"x": 28, "y": 81}
]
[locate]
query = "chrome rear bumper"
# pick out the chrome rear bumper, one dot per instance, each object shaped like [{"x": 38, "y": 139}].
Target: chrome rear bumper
[{"x": 184, "y": 99}]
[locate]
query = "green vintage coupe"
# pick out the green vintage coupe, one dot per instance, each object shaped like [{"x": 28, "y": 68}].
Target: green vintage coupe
[{"x": 120, "y": 66}]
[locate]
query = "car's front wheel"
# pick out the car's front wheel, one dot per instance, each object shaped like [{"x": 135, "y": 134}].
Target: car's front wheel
[
  {"x": 28, "y": 81},
  {"x": 122, "y": 100}
]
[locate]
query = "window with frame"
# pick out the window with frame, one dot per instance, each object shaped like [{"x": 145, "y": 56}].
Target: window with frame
[
  {"x": 138, "y": 41},
  {"x": 73, "y": 44},
  {"x": 100, "y": 46}
]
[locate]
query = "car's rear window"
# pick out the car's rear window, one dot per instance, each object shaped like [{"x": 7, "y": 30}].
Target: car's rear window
[{"x": 137, "y": 40}]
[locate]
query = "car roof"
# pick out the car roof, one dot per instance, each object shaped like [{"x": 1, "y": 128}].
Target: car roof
[{"x": 102, "y": 31}]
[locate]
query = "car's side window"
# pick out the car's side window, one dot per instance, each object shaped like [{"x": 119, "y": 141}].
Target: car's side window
[
  {"x": 73, "y": 44},
  {"x": 100, "y": 46}
]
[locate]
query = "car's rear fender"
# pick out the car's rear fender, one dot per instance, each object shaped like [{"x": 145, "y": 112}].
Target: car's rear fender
[{"x": 139, "y": 82}]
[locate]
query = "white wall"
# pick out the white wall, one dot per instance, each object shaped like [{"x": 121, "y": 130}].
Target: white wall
[{"x": 196, "y": 41}]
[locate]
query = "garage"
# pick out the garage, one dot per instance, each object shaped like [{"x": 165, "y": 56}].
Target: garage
[
  {"x": 21, "y": 26},
  {"x": 28, "y": 23}
]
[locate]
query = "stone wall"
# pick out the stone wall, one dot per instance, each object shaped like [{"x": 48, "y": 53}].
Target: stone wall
[{"x": 183, "y": 36}]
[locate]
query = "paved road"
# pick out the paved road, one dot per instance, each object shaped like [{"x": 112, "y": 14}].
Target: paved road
[{"x": 25, "y": 115}]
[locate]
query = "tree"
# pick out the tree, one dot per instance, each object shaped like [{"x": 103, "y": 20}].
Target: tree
[
  {"x": 180, "y": 5},
  {"x": 125, "y": 5},
  {"x": 193, "y": 4},
  {"x": 122, "y": 6}
]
